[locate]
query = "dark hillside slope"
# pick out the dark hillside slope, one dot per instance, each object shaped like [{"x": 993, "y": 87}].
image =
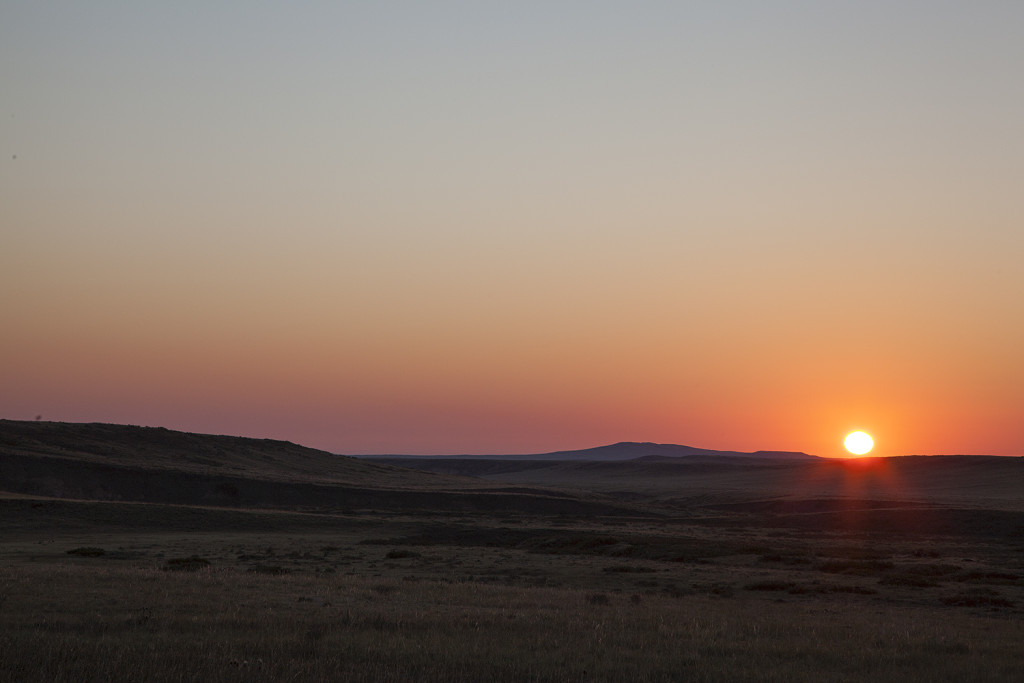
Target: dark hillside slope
[
  {"x": 155, "y": 465},
  {"x": 156, "y": 448}
]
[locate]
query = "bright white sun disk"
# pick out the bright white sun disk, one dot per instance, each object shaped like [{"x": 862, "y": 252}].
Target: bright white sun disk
[{"x": 859, "y": 443}]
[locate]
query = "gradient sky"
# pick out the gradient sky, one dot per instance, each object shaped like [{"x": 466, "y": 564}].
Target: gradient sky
[{"x": 379, "y": 227}]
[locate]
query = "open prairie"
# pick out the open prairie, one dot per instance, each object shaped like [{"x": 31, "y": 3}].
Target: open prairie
[
  {"x": 760, "y": 235},
  {"x": 131, "y": 553}
]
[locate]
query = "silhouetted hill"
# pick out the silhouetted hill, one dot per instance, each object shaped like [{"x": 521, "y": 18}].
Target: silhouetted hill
[
  {"x": 152, "y": 464},
  {"x": 624, "y": 450},
  {"x": 157, "y": 448},
  {"x": 630, "y": 450}
]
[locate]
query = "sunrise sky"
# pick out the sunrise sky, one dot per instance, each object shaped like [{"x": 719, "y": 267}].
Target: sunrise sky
[{"x": 470, "y": 227}]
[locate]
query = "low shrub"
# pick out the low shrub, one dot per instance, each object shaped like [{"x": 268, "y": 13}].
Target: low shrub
[
  {"x": 989, "y": 577},
  {"x": 770, "y": 586},
  {"x": 855, "y": 567},
  {"x": 186, "y": 564},
  {"x": 856, "y": 590},
  {"x": 936, "y": 570},
  {"x": 627, "y": 569},
  {"x": 908, "y": 581},
  {"x": 786, "y": 559},
  {"x": 722, "y": 590},
  {"x": 976, "y": 599},
  {"x": 271, "y": 569}
]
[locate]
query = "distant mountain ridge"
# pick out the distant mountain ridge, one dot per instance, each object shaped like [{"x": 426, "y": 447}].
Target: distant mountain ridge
[{"x": 624, "y": 450}]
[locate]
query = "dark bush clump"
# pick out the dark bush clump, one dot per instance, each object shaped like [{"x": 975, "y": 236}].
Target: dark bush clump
[
  {"x": 400, "y": 554},
  {"x": 976, "y": 599},
  {"x": 626, "y": 569},
  {"x": 786, "y": 559},
  {"x": 186, "y": 564},
  {"x": 855, "y": 567},
  {"x": 989, "y": 577},
  {"x": 770, "y": 586},
  {"x": 856, "y": 590},
  {"x": 674, "y": 591},
  {"x": 87, "y": 552},
  {"x": 272, "y": 569},
  {"x": 936, "y": 570},
  {"x": 908, "y": 580}
]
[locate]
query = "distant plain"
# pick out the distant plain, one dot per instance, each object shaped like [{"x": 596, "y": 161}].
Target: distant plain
[{"x": 151, "y": 554}]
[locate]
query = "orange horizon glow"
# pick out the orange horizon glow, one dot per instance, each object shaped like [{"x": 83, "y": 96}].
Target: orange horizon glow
[
  {"x": 362, "y": 384},
  {"x": 386, "y": 238}
]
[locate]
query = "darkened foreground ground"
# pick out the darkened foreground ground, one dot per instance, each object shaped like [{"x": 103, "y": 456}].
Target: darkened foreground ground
[
  {"x": 643, "y": 572},
  {"x": 75, "y": 623},
  {"x": 173, "y": 593}
]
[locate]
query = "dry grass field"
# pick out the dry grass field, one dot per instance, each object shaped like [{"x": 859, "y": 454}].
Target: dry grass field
[{"x": 726, "y": 583}]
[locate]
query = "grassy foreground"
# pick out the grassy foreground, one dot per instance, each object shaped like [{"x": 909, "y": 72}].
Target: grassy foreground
[{"x": 77, "y": 622}]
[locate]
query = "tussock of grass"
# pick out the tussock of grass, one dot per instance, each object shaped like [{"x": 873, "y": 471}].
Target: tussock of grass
[
  {"x": 770, "y": 586},
  {"x": 270, "y": 569},
  {"x": 855, "y": 567},
  {"x": 627, "y": 569},
  {"x": 977, "y": 598},
  {"x": 186, "y": 564},
  {"x": 936, "y": 570},
  {"x": 856, "y": 553},
  {"x": 722, "y": 590},
  {"x": 573, "y": 544},
  {"x": 826, "y": 588},
  {"x": 786, "y": 559},
  {"x": 990, "y": 577},
  {"x": 673, "y": 591},
  {"x": 815, "y": 588},
  {"x": 908, "y": 581}
]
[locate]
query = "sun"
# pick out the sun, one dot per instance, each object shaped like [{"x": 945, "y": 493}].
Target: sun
[{"x": 859, "y": 443}]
